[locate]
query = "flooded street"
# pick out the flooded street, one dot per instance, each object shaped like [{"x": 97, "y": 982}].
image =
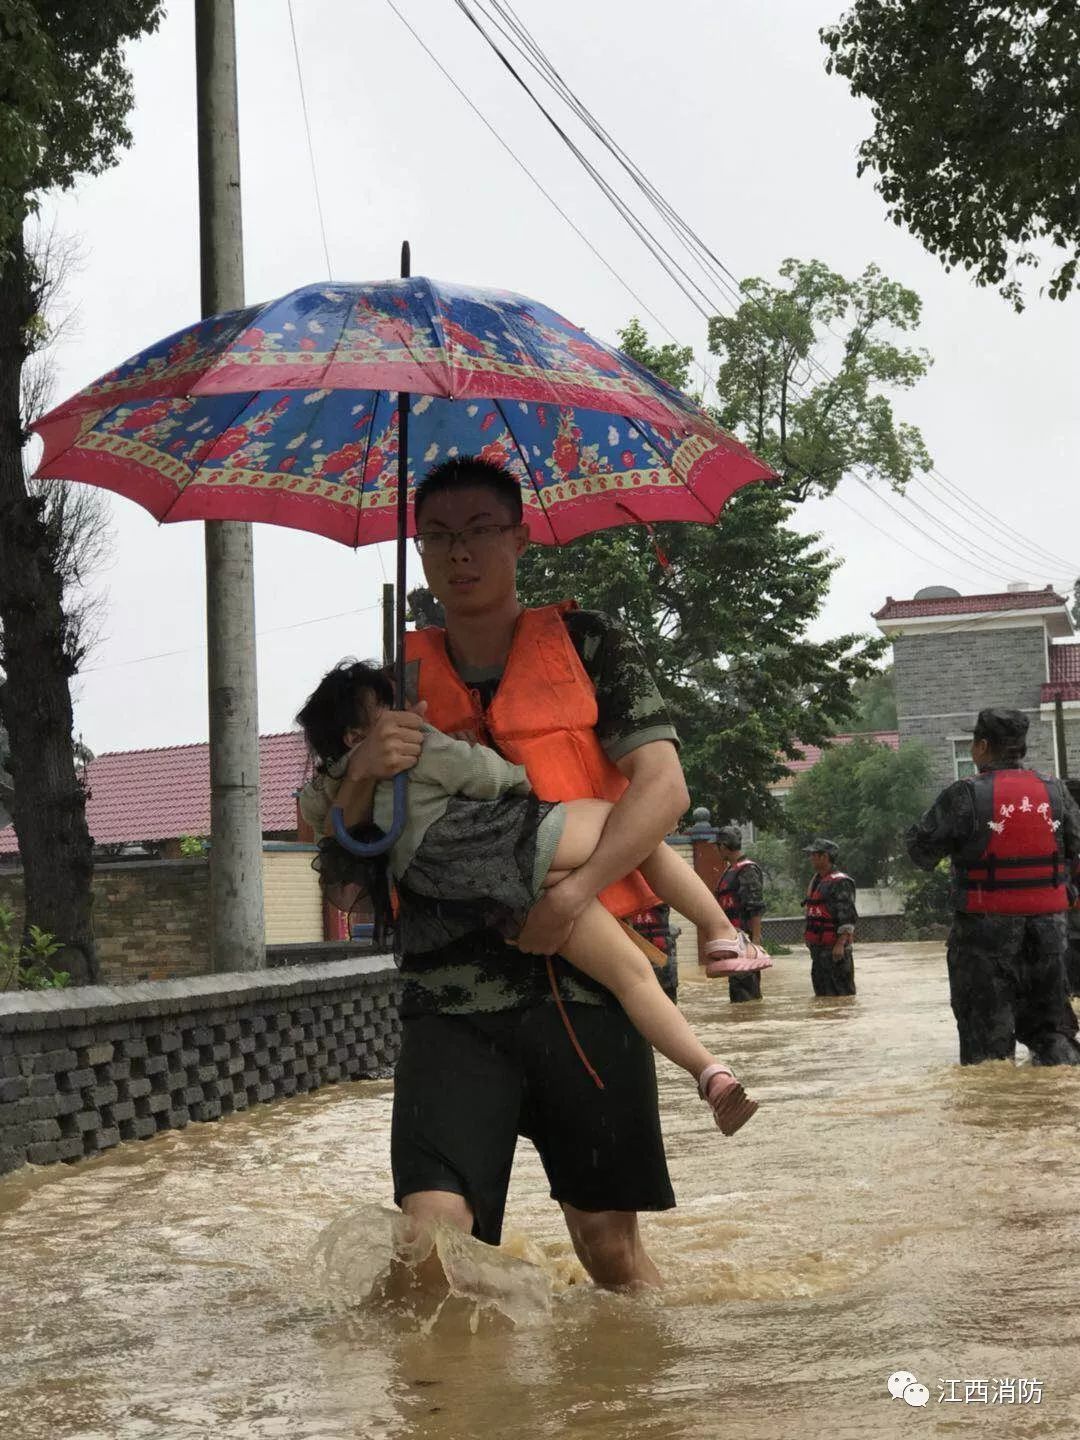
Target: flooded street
[{"x": 884, "y": 1211}]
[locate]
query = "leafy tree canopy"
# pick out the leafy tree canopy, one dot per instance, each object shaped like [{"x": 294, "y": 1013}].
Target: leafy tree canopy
[
  {"x": 976, "y": 138},
  {"x": 864, "y": 796},
  {"x": 723, "y": 626},
  {"x": 65, "y": 94},
  {"x": 875, "y": 698},
  {"x": 813, "y": 429}
]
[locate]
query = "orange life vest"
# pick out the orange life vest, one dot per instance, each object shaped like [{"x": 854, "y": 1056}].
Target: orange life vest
[{"x": 543, "y": 716}]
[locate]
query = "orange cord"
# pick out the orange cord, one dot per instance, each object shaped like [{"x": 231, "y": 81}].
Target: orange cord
[{"x": 569, "y": 1028}]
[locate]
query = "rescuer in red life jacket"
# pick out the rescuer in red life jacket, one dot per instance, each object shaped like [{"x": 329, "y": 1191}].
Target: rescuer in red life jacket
[
  {"x": 740, "y": 892},
  {"x": 830, "y": 922},
  {"x": 1013, "y": 837},
  {"x": 1072, "y": 921}
]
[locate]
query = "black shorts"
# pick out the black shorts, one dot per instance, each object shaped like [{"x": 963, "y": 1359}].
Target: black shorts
[{"x": 466, "y": 1086}]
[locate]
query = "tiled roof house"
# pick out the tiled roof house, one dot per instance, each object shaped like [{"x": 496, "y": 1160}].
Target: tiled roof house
[
  {"x": 155, "y": 797},
  {"x": 813, "y": 753},
  {"x": 954, "y": 654}
]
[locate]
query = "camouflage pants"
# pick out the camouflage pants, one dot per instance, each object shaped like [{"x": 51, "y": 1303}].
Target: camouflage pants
[
  {"x": 1007, "y": 983},
  {"x": 830, "y": 976},
  {"x": 1072, "y": 965},
  {"x": 746, "y": 986}
]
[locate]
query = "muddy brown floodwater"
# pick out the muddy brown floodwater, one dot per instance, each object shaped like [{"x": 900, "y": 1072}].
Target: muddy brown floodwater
[{"x": 885, "y": 1211}]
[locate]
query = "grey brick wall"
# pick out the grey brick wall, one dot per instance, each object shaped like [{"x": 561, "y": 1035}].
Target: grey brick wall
[
  {"x": 949, "y": 678},
  {"x": 82, "y": 1070}
]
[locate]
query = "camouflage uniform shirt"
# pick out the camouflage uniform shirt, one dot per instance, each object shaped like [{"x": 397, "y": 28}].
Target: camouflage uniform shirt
[{"x": 481, "y": 972}]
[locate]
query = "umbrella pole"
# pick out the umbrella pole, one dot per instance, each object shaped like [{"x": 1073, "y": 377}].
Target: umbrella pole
[
  {"x": 402, "y": 515},
  {"x": 337, "y": 817}
]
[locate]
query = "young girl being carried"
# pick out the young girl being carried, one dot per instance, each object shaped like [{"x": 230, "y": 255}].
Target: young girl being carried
[{"x": 479, "y": 849}]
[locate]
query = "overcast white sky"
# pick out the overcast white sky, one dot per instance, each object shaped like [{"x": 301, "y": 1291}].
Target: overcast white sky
[{"x": 725, "y": 105}]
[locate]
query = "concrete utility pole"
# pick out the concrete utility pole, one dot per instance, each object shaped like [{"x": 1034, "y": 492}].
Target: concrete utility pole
[{"x": 237, "y": 927}]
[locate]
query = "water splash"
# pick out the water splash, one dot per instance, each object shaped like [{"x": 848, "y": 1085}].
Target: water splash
[{"x": 374, "y": 1256}]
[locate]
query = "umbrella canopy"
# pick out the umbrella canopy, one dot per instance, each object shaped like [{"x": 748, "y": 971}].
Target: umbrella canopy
[{"x": 286, "y": 413}]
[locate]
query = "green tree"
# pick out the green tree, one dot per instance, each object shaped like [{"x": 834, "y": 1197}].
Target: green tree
[
  {"x": 723, "y": 626},
  {"x": 863, "y": 795},
  {"x": 927, "y": 901},
  {"x": 65, "y": 93},
  {"x": 814, "y": 427},
  {"x": 875, "y": 700},
  {"x": 976, "y": 140}
]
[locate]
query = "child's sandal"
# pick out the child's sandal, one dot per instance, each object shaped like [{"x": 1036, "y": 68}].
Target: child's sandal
[
  {"x": 735, "y": 957},
  {"x": 731, "y": 1106}
]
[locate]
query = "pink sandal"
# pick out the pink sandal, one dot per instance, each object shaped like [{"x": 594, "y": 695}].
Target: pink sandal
[
  {"x": 735, "y": 957},
  {"x": 731, "y": 1106}
]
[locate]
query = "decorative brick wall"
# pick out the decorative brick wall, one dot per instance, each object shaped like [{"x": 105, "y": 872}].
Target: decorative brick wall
[
  {"x": 151, "y": 918},
  {"x": 82, "y": 1070}
]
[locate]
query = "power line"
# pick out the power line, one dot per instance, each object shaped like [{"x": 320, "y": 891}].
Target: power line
[
  {"x": 512, "y": 29},
  {"x": 193, "y": 649},
  {"x": 525, "y": 169},
  {"x": 894, "y": 540},
  {"x": 311, "y": 148},
  {"x": 1039, "y": 551}
]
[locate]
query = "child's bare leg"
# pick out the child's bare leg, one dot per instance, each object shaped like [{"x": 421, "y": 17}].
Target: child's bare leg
[
  {"x": 582, "y": 828},
  {"x": 679, "y": 886},
  {"x": 668, "y": 874},
  {"x": 600, "y": 948}
]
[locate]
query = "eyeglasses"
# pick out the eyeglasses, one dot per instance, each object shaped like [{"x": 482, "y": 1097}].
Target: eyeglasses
[{"x": 474, "y": 537}]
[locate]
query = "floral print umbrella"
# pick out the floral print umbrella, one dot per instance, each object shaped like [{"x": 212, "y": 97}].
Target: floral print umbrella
[{"x": 286, "y": 413}]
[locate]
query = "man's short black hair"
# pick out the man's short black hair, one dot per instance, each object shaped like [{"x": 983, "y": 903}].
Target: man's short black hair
[{"x": 464, "y": 472}]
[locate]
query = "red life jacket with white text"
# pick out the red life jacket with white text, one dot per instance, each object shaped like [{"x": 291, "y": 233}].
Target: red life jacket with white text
[
  {"x": 1015, "y": 865},
  {"x": 727, "y": 893},
  {"x": 820, "y": 925}
]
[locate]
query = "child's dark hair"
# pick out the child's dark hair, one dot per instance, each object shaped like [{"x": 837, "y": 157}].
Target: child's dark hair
[{"x": 334, "y": 707}]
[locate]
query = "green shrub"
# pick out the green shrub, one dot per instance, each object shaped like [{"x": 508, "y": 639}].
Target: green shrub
[
  {"x": 25, "y": 966},
  {"x": 926, "y": 901}
]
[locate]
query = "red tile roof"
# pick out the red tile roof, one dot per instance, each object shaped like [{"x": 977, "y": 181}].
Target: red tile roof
[
  {"x": 163, "y": 794},
  {"x": 813, "y": 753},
  {"x": 1064, "y": 682},
  {"x": 970, "y": 604},
  {"x": 1064, "y": 663}
]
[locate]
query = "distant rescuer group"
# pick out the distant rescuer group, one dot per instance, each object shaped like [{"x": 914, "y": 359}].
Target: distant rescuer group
[
  {"x": 830, "y": 914},
  {"x": 1013, "y": 839}
]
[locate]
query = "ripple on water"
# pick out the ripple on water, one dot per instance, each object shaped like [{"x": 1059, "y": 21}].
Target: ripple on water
[{"x": 883, "y": 1209}]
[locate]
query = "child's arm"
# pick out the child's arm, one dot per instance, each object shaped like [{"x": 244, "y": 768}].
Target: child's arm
[
  {"x": 474, "y": 771},
  {"x": 316, "y": 799}
]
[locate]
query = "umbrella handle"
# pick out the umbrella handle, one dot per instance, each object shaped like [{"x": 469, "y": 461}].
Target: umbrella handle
[{"x": 380, "y": 846}]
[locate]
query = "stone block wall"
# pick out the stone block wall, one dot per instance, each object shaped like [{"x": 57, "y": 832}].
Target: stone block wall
[
  {"x": 82, "y": 1070},
  {"x": 944, "y": 680}
]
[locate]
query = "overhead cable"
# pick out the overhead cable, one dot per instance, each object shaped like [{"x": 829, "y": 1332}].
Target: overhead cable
[
  {"x": 310, "y": 146},
  {"x": 501, "y": 16}
]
